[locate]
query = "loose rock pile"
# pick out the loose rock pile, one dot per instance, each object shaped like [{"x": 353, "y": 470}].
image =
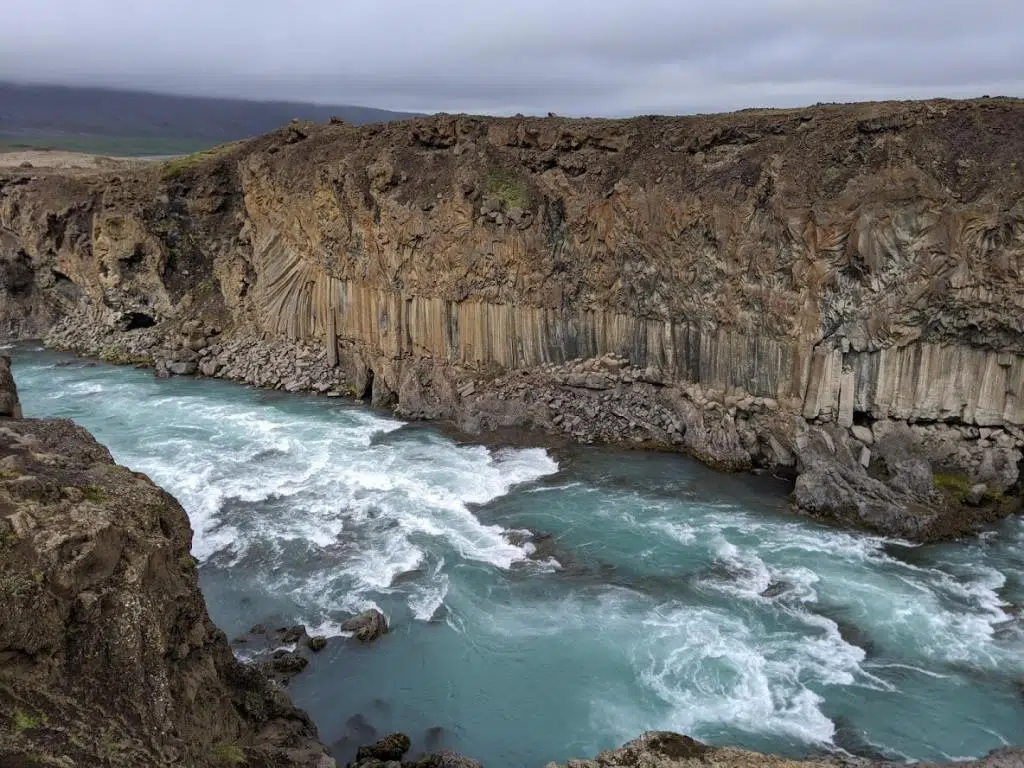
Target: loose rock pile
[
  {"x": 607, "y": 400},
  {"x": 196, "y": 348}
]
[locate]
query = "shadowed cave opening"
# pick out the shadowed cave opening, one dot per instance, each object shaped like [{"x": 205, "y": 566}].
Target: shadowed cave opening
[
  {"x": 133, "y": 321},
  {"x": 368, "y": 387}
]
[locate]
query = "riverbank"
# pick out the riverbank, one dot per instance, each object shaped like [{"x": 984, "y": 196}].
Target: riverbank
[{"x": 917, "y": 481}]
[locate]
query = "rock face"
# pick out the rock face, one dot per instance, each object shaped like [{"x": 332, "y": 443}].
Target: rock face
[
  {"x": 713, "y": 284},
  {"x": 107, "y": 654},
  {"x": 389, "y": 751},
  {"x": 662, "y": 749},
  {"x": 9, "y": 405}
]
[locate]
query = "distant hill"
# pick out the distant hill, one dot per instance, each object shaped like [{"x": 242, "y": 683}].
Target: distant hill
[{"x": 138, "y": 123}]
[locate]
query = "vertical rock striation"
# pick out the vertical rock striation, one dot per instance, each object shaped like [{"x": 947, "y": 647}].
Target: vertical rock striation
[{"x": 763, "y": 277}]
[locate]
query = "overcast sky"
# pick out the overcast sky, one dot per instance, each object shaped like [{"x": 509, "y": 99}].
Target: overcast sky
[{"x": 573, "y": 57}]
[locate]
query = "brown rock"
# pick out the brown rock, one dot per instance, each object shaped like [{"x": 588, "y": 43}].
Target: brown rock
[
  {"x": 391, "y": 747},
  {"x": 367, "y": 626},
  {"x": 9, "y": 405}
]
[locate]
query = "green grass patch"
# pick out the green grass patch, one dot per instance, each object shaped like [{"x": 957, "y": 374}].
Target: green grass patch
[
  {"x": 507, "y": 187},
  {"x": 24, "y": 721},
  {"x": 116, "y": 356},
  {"x": 178, "y": 166},
  {"x": 955, "y": 487},
  {"x": 94, "y": 493},
  {"x": 110, "y": 146},
  {"x": 15, "y": 586},
  {"x": 188, "y": 561},
  {"x": 229, "y": 754}
]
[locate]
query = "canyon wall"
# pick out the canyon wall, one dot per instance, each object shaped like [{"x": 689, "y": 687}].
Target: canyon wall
[{"x": 838, "y": 266}]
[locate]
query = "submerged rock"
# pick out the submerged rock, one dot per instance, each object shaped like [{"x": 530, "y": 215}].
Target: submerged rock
[{"x": 367, "y": 626}]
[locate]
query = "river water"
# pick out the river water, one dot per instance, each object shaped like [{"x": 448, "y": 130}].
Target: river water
[{"x": 663, "y": 595}]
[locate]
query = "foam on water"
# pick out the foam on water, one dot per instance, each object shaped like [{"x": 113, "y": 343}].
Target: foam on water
[{"x": 715, "y": 669}]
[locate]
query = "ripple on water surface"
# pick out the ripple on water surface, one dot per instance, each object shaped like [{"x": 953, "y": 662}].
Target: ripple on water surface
[{"x": 662, "y": 596}]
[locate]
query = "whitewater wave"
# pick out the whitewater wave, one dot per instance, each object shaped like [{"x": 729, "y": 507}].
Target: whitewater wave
[
  {"x": 261, "y": 480},
  {"x": 715, "y": 670}
]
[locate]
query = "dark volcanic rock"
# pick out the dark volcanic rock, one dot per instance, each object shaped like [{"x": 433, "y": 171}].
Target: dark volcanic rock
[
  {"x": 844, "y": 265},
  {"x": 391, "y": 747},
  {"x": 367, "y": 626},
  {"x": 895, "y": 494},
  {"x": 444, "y": 759},
  {"x": 289, "y": 635},
  {"x": 282, "y": 666}
]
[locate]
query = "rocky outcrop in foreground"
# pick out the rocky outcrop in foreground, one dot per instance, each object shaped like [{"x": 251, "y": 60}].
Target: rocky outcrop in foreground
[
  {"x": 662, "y": 749},
  {"x": 107, "y": 654},
  {"x": 778, "y": 289}
]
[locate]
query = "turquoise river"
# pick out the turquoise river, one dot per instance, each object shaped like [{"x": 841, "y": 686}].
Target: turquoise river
[{"x": 546, "y": 604}]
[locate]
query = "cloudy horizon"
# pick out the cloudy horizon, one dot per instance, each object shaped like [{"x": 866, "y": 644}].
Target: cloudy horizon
[{"x": 577, "y": 57}]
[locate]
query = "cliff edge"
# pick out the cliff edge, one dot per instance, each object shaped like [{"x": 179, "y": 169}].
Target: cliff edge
[
  {"x": 834, "y": 292},
  {"x": 107, "y": 654}
]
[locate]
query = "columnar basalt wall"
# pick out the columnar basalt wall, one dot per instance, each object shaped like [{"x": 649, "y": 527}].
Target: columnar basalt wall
[
  {"x": 763, "y": 273},
  {"x": 917, "y": 382}
]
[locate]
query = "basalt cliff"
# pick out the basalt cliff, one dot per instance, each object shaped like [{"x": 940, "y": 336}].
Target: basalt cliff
[{"x": 834, "y": 292}]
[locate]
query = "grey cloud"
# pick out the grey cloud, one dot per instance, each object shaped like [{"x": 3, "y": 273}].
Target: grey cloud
[{"x": 603, "y": 57}]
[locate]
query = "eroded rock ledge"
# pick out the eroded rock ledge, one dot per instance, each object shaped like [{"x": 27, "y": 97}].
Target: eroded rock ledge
[
  {"x": 662, "y": 749},
  {"x": 834, "y": 292},
  {"x": 107, "y": 654}
]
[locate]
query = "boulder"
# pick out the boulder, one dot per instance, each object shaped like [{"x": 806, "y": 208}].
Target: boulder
[
  {"x": 445, "y": 759},
  {"x": 896, "y": 496},
  {"x": 391, "y": 747},
  {"x": 367, "y": 626},
  {"x": 976, "y": 494},
  {"x": 317, "y": 643},
  {"x": 289, "y": 635},
  {"x": 282, "y": 666},
  {"x": 863, "y": 434},
  {"x": 182, "y": 368}
]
